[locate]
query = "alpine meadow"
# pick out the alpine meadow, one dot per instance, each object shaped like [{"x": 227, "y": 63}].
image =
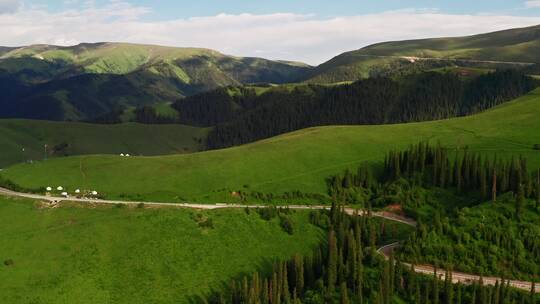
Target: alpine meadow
[{"x": 404, "y": 171}]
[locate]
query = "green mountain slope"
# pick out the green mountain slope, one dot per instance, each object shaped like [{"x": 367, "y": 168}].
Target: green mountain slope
[
  {"x": 89, "y": 80},
  {"x": 295, "y": 161},
  {"x": 516, "y": 45},
  {"x": 124, "y": 58},
  {"x": 24, "y": 140}
]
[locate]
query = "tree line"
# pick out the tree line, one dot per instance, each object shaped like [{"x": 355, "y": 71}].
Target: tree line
[{"x": 465, "y": 171}]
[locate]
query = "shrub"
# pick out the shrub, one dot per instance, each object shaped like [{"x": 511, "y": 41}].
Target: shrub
[
  {"x": 140, "y": 205},
  {"x": 8, "y": 262},
  {"x": 268, "y": 213},
  {"x": 286, "y": 224},
  {"x": 207, "y": 223},
  {"x": 536, "y": 146}
]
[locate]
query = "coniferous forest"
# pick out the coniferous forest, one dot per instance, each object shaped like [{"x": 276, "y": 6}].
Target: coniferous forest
[
  {"x": 348, "y": 269},
  {"x": 241, "y": 115},
  {"x": 475, "y": 214}
]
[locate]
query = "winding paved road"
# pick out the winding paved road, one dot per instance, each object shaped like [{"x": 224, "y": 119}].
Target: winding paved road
[{"x": 385, "y": 250}]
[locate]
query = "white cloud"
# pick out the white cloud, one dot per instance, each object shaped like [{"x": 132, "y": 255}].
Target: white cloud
[
  {"x": 532, "y": 3},
  {"x": 9, "y": 6},
  {"x": 276, "y": 36}
]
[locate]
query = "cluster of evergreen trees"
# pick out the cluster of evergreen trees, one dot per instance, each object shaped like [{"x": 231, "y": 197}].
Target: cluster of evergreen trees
[
  {"x": 433, "y": 184},
  {"x": 464, "y": 171},
  {"x": 424, "y": 164},
  {"x": 485, "y": 239},
  {"x": 246, "y": 116},
  {"x": 347, "y": 269}
]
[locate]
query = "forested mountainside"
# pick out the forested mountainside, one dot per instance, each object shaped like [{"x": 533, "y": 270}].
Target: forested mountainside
[
  {"x": 89, "y": 80},
  {"x": 242, "y": 115}
]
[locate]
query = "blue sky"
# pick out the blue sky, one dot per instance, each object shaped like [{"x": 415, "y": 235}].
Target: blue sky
[
  {"x": 170, "y": 9},
  {"x": 311, "y": 31}
]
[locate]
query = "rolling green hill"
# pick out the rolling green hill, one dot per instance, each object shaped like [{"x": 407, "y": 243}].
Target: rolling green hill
[
  {"x": 296, "y": 161},
  {"x": 73, "y": 254},
  {"x": 194, "y": 66},
  {"x": 23, "y": 140},
  {"x": 515, "y": 45},
  {"x": 89, "y": 80}
]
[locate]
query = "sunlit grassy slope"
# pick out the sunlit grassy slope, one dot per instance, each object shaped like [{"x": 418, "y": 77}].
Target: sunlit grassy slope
[
  {"x": 514, "y": 45},
  {"x": 23, "y": 140},
  {"x": 119, "y": 255},
  {"x": 295, "y": 161}
]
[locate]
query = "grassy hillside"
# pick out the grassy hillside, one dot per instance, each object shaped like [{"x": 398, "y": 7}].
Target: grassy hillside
[
  {"x": 295, "y": 161},
  {"x": 23, "y": 140},
  {"x": 124, "y": 58},
  {"x": 120, "y": 255},
  {"x": 515, "y": 45}
]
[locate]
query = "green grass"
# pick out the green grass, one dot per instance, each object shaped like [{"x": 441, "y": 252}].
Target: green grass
[
  {"x": 121, "y": 255},
  {"x": 165, "y": 109},
  {"x": 295, "y": 161},
  {"x": 136, "y": 139}
]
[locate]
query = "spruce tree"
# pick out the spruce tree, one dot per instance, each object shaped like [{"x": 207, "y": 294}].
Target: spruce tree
[
  {"x": 533, "y": 293},
  {"x": 435, "y": 286},
  {"x": 332, "y": 261},
  {"x": 520, "y": 201},
  {"x": 458, "y": 296},
  {"x": 344, "y": 293},
  {"x": 449, "y": 288},
  {"x": 494, "y": 186},
  {"x": 537, "y": 190}
]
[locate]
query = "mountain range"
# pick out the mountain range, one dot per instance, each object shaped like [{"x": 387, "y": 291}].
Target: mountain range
[{"x": 87, "y": 81}]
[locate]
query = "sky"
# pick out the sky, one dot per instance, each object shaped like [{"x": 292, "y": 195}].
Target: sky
[{"x": 310, "y": 31}]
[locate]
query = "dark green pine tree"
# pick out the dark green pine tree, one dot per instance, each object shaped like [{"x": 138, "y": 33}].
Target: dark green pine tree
[
  {"x": 427, "y": 292},
  {"x": 449, "y": 288},
  {"x": 457, "y": 174},
  {"x": 344, "y": 293},
  {"x": 537, "y": 190},
  {"x": 520, "y": 201},
  {"x": 332, "y": 261},
  {"x": 533, "y": 294},
  {"x": 496, "y": 293},
  {"x": 458, "y": 296},
  {"x": 494, "y": 186},
  {"x": 299, "y": 274},
  {"x": 435, "y": 287},
  {"x": 285, "y": 289},
  {"x": 483, "y": 182}
]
